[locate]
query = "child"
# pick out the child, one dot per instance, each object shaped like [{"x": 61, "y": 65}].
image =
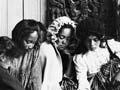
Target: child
[{"x": 8, "y": 52}]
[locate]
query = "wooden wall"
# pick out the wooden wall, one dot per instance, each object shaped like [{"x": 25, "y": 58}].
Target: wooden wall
[{"x": 12, "y": 11}]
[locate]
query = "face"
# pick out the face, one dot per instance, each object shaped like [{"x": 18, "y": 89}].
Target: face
[
  {"x": 92, "y": 42},
  {"x": 30, "y": 41},
  {"x": 64, "y": 38}
]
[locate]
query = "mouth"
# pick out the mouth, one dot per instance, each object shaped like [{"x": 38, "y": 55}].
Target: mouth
[
  {"x": 27, "y": 49},
  {"x": 61, "y": 46}
]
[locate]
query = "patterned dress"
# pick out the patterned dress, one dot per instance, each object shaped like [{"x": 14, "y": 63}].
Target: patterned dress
[
  {"x": 27, "y": 69},
  {"x": 7, "y": 79},
  {"x": 89, "y": 64}
]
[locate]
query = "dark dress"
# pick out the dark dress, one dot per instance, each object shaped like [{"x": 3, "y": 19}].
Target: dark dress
[
  {"x": 69, "y": 82},
  {"x": 8, "y": 82}
]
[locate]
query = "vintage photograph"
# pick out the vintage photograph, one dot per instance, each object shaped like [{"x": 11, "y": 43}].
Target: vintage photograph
[{"x": 59, "y": 44}]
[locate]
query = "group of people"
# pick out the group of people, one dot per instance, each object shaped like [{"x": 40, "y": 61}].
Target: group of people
[{"x": 64, "y": 56}]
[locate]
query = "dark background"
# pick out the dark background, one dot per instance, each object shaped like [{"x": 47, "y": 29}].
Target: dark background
[{"x": 107, "y": 11}]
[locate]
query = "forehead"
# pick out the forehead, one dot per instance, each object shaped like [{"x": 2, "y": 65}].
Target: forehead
[
  {"x": 92, "y": 37},
  {"x": 32, "y": 36},
  {"x": 66, "y": 32}
]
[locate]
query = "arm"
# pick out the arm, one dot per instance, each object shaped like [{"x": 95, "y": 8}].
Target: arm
[
  {"x": 81, "y": 71},
  {"x": 69, "y": 67},
  {"x": 114, "y": 46}
]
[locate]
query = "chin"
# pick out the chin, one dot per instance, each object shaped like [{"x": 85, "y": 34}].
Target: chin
[
  {"x": 61, "y": 48},
  {"x": 93, "y": 49}
]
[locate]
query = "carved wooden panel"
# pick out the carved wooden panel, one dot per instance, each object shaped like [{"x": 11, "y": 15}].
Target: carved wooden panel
[{"x": 104, "y": 10}]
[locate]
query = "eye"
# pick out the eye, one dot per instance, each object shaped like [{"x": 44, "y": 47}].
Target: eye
[
  {"x": 61, "y": 37},
  {"x": 29, "y": 41},
  {"x": 96, "y": 39}
]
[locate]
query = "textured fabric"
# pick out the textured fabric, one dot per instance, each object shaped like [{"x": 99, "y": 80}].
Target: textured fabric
[
  {"x": 90, "y": 63},
  {"x": 51, "y": 66},
  {"x": 28, "y": 70},
  {"x": 68, "y": 84},
  {"x": 69, "y": 81},
  {"x": 8, "y": 82}
]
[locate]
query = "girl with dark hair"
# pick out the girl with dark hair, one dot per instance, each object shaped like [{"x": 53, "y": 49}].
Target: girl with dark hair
[
  {"x": 27, "y": 37},
  {"x": 22, "y": 32},
  {"x": 59, "y": 35},
  {"x": 7, "y": 55},
  {"x": 90, "y": 61}
]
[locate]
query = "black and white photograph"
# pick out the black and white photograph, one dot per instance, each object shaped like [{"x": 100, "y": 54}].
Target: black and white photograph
[{"x": 59, "y": 44}]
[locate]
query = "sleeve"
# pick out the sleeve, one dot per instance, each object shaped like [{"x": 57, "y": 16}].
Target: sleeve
[
  {"x": 81, "y": 71},
  {"x": 115, "y": 46}
]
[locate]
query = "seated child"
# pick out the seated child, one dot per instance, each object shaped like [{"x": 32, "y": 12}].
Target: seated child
[{"x": 8, "y": 52}]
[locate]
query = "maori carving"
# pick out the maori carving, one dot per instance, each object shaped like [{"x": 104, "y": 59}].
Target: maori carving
[
  {"x": 118, "y": 18},
  {"x": 77, "y": 10},
  {"x": 55, "y": 9}
]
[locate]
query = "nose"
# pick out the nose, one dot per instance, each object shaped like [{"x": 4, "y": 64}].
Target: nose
[
  {"x": 30, "y": 46},
  {"x": 64, "y": 41},
  {"x": 91, "y": 42}
]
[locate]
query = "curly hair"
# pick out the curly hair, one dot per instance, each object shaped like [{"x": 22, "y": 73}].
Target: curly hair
[
  {"x": 8, "y": 47},
  {"x": 56, "y": 25},
  {"x": 23, "y": 29},
  {"x": 55, "y": 28},
  {"x": 43, "y": 32},
  {"x": 86, "y": 28}
]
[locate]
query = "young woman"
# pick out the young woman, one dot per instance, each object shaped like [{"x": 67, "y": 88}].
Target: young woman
[
  {"x": 26, "y": 35},
  {"x": 59, "y": 35},
  {"x": 91, "y": 57},
  {"x": 8, "y": 52}
]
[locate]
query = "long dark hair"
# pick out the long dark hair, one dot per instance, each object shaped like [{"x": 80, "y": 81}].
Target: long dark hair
[
  {"x": 43, "y": 32},
  {"x": 86, "y": 28},
  {"x": 23, "y": 29}
]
